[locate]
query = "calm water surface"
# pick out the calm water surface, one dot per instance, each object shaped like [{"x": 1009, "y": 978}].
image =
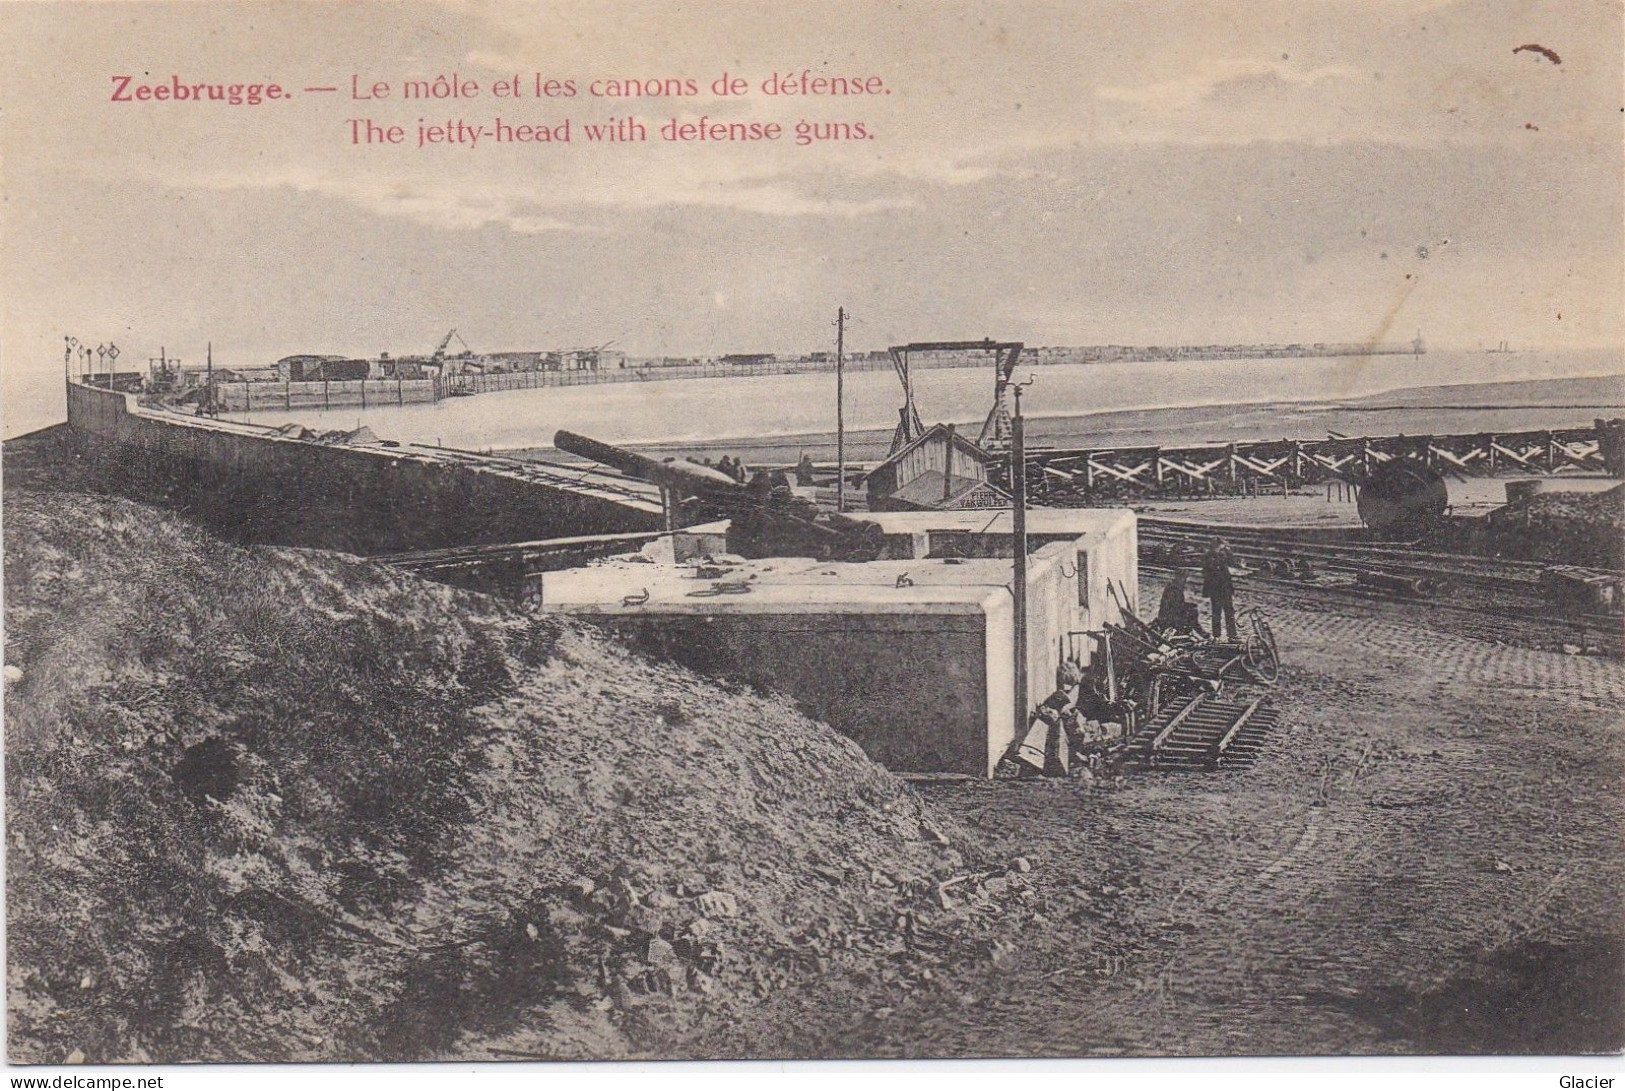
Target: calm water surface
[{"x": 778, "y": 405}]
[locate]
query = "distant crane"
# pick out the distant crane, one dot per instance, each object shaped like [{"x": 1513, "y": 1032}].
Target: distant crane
[{"x": 439, "y": 356}]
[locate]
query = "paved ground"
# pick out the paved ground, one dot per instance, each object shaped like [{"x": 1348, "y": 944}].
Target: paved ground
[
  {"x": 1427, "y": 859},
  {"x": 1429, "y": 648}
]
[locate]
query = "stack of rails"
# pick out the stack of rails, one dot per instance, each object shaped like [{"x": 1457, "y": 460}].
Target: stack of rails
[{"x": 1204, "y": 731}]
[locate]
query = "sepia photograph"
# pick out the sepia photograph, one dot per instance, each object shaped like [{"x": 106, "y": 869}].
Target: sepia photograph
[{"x": 935, "y": 530}]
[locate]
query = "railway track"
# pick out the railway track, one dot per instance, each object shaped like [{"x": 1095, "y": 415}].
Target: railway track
[
  {"x": 1444, "y": 570},
  {"x": 1503, "y": 596},
  {"x": 1428, "y": 569}
]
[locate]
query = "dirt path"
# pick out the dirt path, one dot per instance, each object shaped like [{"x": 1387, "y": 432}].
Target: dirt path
[{"x": 1427, "y": 859}]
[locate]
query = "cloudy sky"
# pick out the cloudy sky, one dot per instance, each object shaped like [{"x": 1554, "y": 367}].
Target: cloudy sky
[{"x": 1145, "y": 172}]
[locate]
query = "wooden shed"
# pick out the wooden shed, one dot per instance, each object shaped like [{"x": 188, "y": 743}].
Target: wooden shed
[{"x": 938, "y": 471}]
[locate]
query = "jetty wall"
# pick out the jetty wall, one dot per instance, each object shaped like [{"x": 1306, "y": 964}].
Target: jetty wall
[
  {"x": 334, "y": 394},
  {"x": 257, "y": 484}
]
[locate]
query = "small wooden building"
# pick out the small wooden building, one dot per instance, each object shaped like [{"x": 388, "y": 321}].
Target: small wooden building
[
  {"x": 938, "y": 471},
  {"x": 311, "y": 368}
]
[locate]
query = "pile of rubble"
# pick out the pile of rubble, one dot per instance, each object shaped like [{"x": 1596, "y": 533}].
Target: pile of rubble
[
  {"x": 272, "y": 805},
  {"x": 1574, "y": 528}
]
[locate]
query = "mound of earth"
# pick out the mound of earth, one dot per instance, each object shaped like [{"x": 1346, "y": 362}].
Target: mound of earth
[
  {"x": 1586, "y": 528},
  {"x": 276, "y": 805}
]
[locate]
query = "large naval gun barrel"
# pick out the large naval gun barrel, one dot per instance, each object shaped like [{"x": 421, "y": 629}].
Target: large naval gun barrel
[
  {"x": 765, "y": 519},
  {"x": 678, "y": 474}
]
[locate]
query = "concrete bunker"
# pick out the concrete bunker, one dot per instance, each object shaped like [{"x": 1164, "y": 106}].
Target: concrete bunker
[{"x": 911, "y": 655}]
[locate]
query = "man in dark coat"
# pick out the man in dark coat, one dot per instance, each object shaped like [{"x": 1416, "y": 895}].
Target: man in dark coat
[
  {"x": 1220, "y": 587},
  {"x": 1176, "y": 613}
]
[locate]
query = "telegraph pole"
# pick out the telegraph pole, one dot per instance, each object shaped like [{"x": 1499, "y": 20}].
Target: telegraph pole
[
  {"x": 1018, "y": 496},
  {"x": 840, "y": 409}
]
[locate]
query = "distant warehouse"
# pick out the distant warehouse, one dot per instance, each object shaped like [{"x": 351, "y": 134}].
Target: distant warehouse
[{"x": 309, "y": 368}]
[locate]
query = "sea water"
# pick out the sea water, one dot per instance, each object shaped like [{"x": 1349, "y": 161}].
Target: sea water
[{"x": 699, "y": 410}]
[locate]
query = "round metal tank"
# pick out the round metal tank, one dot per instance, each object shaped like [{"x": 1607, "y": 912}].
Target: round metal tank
[{"x": 1403, "y": 492}]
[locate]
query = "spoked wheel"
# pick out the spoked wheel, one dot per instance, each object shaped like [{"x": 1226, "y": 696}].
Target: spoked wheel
[{"x": 1258, "y": 654}]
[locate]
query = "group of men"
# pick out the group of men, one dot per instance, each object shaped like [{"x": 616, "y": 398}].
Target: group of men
[
  {"x": 1177, "y": 614},
  {"x": 1078, "y": 719},
  {"x": 733, "y": 467}
]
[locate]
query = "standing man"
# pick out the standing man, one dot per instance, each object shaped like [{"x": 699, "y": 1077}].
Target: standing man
[{"x": 1220, "y": 587}]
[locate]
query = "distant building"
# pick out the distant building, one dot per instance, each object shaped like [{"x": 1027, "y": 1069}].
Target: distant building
[
  {"x": 518, "y": 361},
  {"x": 303, "y": 367},
  {"x": 404, "y": 367},
  {"x": 342, "y": 370}
]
